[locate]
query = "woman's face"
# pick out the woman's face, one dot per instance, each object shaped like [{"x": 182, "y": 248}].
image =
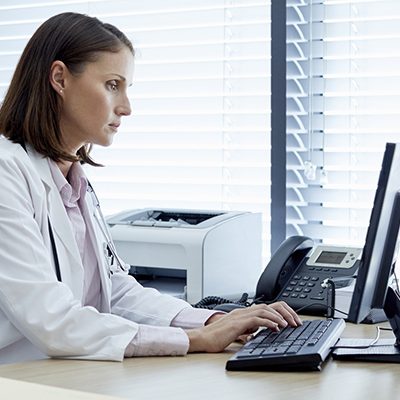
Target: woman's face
[{"x": 94, "y": 101}]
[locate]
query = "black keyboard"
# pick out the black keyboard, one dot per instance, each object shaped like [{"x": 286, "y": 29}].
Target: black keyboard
[{"x": 292, "y": 349}]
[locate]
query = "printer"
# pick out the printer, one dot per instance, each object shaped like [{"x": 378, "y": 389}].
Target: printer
[{"x": 191, "y": 253}]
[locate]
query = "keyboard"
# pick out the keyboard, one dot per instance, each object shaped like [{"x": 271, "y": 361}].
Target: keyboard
[{"x": 291, "y": 349}]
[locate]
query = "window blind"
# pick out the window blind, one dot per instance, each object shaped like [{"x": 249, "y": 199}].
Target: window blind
[
  {"x": 198, "y": 136},
  {"x": 343, "y": 79}
]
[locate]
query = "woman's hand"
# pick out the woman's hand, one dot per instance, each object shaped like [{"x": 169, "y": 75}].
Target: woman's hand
[{"x": 223, "y": 329}]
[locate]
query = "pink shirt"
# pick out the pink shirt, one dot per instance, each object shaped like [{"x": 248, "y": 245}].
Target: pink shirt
[{"x": 149, "y": 340}]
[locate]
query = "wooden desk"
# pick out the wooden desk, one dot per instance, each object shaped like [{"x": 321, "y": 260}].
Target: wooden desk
[
  {"x": 201, "y": 376},
  {"x": 12, "y": 389}
]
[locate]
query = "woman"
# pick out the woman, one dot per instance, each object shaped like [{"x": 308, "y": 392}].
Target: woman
[{"x": 59, "y": 297}]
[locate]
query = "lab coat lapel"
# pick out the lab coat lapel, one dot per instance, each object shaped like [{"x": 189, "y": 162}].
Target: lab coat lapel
[{"x": 61, "y": 226}]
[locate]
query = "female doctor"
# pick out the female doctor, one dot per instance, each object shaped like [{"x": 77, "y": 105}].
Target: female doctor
[{"x": 63, "y": 290}]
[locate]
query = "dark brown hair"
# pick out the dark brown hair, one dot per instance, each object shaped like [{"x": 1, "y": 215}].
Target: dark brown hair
[{"x": 30, "y": 113}]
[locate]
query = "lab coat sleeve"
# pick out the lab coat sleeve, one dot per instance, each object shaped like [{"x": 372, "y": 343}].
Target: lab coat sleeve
[{"x": 38, "y": 306}]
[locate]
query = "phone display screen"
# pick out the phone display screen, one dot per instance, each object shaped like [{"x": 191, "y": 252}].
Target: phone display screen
[{"x": 330, "y": 257}]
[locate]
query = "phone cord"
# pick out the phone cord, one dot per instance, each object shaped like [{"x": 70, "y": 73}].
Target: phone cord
[{"x": 210, "y": 302}]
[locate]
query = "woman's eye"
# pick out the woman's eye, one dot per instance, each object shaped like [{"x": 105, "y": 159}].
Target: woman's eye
[{"x": 113, "y": 85}]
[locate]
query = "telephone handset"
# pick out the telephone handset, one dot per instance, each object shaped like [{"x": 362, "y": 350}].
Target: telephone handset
[{"x": 283, "y": 263}]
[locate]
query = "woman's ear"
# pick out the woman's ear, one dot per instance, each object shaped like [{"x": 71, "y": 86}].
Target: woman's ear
[{"x": 57, "y": 77}]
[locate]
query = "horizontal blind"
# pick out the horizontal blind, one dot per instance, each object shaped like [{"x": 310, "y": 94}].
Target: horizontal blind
[
  {"x": 343, "y": 101},
  {"x": 198, "y": 136}
]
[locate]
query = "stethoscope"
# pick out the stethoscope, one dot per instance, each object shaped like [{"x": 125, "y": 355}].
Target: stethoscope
[{"x": 113, "y": 261}]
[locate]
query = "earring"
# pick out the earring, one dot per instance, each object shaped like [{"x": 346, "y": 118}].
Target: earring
[{"x": 61, "y": 91}]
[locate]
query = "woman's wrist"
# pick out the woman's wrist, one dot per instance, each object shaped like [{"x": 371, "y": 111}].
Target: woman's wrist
[
  {"x": 195, "y": 340},
  {"x": 215, "y": 317}
]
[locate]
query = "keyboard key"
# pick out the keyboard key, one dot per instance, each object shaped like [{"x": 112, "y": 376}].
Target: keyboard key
[
  {"x": 257, "y": 352},
  {"x": 293, "y": 350},
  {"x": 274, "y": 351},
  {"x": 244, "y": 354}
]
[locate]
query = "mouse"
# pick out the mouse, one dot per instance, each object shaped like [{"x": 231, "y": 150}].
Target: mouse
[{"x": 227, "y": 307}]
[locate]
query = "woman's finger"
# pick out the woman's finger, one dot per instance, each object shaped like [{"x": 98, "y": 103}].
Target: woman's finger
[{"x": 287, "y": 313}]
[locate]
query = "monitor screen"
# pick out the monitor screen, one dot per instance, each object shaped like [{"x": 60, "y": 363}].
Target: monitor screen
[{"x": 377, "y": 257}]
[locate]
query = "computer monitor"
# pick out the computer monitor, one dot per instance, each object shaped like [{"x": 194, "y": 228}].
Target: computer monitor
[{"x": 378, "y": 254}]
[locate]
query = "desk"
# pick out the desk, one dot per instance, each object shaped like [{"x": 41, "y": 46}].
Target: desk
[
  {"x": 199, "y": 376},
  {"x": 12, "y": 389}
]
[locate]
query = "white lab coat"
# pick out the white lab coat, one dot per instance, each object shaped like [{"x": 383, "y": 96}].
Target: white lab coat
[{"x": 40, "y": 316}]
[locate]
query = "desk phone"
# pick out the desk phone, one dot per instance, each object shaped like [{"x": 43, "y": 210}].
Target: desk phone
[{"x": 296, "y": 271}]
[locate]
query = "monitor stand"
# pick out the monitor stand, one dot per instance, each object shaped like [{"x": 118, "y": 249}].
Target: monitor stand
[
  {"x": 384, "y": 350},
  {"x": 392, "y": 310},
  {"x": 375, "y": 316}
]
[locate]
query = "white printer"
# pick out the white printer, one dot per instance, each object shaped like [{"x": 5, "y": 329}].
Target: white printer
[{"x": 197, "y": 253}]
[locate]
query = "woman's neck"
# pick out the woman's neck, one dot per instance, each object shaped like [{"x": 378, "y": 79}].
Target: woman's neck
[{"x": 64, "y": 166}]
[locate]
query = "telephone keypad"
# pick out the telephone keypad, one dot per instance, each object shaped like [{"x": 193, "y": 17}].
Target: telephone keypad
[{"x": 305, "y": 287}]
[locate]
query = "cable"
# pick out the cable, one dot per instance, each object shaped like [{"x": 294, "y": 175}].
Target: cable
[
  {"x": 396, "y": 279},
  {"x": 378, "y": 333},
  {"x": 258, "y": 300},
  {"x": 319, "y": 304},
  {"x": 210, "y": 302}
]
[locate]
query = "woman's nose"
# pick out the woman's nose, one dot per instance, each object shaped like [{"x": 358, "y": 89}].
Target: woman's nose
[{"x": 124, "y": 108}]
